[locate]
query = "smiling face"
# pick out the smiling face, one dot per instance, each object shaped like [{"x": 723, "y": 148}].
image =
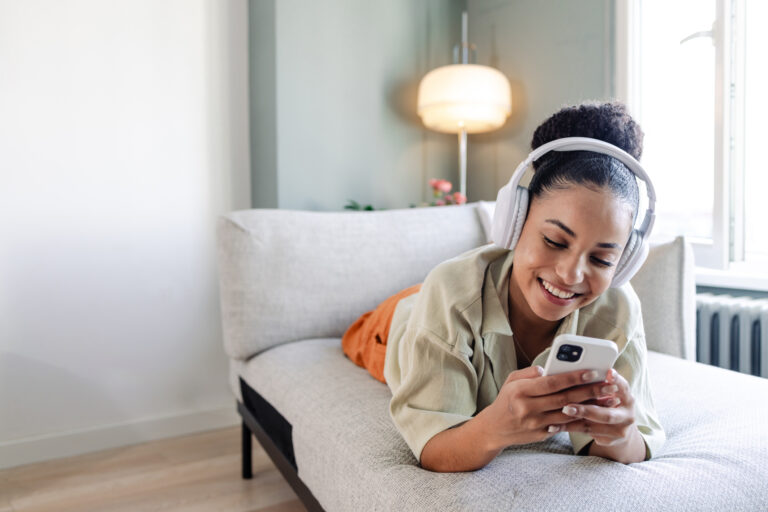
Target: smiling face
[{"x": 567, "y": 254}]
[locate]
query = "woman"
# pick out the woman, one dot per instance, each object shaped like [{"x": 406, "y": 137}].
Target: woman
[{"x": 464, "y": 353}]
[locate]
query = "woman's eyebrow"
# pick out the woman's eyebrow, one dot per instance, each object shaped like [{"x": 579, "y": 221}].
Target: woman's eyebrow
[
  {"x": 561, "y": 226},
  {"x": 602, "y": 245}
]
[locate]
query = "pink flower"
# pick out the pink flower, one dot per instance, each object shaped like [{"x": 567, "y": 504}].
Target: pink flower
[
  {"x": 459, "y": 198},
  {"x": 440, "y": 202},
  {"x": 440, "y": 185}
]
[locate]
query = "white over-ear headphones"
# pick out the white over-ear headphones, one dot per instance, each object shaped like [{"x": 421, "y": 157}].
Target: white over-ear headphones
[{"x": 512, "y": 204}]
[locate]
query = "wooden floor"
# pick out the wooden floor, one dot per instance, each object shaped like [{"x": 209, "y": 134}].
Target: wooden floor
[{"x": 199, "y": 472}]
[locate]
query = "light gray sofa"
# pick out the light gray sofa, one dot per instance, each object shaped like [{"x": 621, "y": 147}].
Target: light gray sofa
[{"x": 292, "y": 282}]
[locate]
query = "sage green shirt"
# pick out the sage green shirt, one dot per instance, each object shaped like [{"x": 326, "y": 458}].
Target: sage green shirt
[{"x": 450, "y": 348}]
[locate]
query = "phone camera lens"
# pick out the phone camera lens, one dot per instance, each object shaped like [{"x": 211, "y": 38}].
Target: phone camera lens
[{"x": 569, "y": 353}]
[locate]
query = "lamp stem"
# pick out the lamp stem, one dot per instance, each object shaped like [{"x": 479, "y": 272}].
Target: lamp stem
[
  {"x": 463, "y": 161},
  {"x": 464, "y": 38}
]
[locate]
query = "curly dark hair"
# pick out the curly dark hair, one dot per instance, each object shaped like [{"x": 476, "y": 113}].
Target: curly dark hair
[{"x": 607, "y": 121}]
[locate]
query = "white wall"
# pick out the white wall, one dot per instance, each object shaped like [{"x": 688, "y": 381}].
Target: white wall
[{"x": 123, "y": 134}]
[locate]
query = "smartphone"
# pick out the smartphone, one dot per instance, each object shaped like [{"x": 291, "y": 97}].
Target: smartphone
[{"x": 572, "y": 352}]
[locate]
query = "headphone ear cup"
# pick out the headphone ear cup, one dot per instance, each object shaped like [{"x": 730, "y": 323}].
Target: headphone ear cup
[
  {"x": 509, "y": 216},
  {"x": 501, "y": 212},
  {"x": 631, "y": 260},
  {"x": 505, "y": 215},
  {"x": 518, "y": 215}
]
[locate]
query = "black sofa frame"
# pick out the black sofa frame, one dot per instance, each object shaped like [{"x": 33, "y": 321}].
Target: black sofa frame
[{"x": 274, "y": 433}]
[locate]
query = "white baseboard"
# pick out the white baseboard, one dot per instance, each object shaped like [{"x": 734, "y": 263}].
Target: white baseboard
[{"x": 66, "y": 444}]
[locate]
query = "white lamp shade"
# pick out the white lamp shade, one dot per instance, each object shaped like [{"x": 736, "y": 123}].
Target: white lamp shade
[{"x": 475, "y": 97}]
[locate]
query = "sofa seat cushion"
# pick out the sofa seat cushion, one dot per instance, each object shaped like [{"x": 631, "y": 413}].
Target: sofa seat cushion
[{"x": 350, "y": 455}]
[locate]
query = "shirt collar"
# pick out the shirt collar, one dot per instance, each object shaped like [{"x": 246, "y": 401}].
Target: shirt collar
[{"x": 495, "y": 290}]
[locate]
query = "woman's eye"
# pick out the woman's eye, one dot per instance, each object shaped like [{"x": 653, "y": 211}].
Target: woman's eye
[
  {"x": 554, "y": 244},
  {"x": 602, "y": 263},
  {"x": 557, "y": 245}
]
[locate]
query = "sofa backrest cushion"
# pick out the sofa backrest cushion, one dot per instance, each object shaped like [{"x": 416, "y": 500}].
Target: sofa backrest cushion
[
  {"x": 290, "y": 275},
  {"x": 667, "y": 290}
]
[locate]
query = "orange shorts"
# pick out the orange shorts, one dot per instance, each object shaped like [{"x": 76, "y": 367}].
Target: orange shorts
[{"x": 365, "y": 342}]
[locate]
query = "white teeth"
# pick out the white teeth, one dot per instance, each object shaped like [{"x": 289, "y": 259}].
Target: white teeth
[{"x": 556, "y": 291}]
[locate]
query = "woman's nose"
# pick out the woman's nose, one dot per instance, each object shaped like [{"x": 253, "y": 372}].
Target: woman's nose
[{"x": 570, "y": 269}]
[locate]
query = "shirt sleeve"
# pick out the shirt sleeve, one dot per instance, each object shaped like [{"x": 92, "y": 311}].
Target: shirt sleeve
[
  {"x": 434, "y": 387},
  {"x": 631, "y": 365}
]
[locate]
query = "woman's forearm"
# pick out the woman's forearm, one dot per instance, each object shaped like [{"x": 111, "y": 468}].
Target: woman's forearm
[
  {"x": 469, "y": 447},
  {"x": 464, "y": 448}
]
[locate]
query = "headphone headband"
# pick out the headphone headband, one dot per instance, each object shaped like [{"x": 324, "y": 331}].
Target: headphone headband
[{"x": 595, "y": 146}]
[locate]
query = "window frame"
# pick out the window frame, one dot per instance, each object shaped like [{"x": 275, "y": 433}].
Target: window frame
[{"x": 719, "y": 261}]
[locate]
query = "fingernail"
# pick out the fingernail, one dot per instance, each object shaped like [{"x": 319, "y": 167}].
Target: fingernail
[
  {"x": 569, "y": 410},
  {"x": 587, "y": 376},
  {"x": 553, "y": 428},
  {"x": 613, "y": 402},
  {"x": 539, "y": 370},
  {"x": 607, "y": 390}
]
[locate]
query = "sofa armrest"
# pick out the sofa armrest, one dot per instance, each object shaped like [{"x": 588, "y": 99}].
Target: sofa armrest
[{"x": 666, "y": 286}]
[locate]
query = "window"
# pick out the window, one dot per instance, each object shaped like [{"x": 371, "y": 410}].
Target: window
[{"x": 693, "y": 74}]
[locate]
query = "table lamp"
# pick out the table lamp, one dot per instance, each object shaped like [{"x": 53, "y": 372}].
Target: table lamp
[{"x": 464, "y": 98}]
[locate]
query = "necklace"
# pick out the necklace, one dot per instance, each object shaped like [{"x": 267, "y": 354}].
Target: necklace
[{"x": 517, "y": 345}]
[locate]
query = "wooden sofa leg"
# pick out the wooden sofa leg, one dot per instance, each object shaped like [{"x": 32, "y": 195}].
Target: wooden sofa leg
[{"x": 247, "y": 466}]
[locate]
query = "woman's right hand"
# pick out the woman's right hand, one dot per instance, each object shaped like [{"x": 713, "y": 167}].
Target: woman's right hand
[{"x": 529, "y": 405}]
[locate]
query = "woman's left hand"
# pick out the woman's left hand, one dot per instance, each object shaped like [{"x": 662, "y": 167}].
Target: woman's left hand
[{"x": 611, "y": 420}]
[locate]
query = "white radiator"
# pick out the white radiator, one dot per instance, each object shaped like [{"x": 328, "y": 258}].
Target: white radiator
[{"x": 732, "y": 332}]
